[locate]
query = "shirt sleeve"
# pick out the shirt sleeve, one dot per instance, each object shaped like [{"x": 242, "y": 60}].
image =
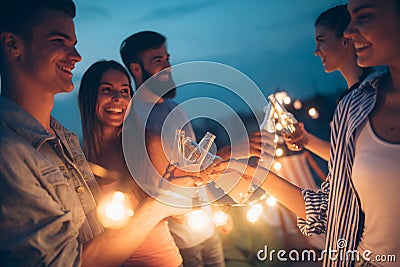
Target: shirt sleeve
[
  {"x": 317, "y": 202},
  {"x": 316, "y": 210},
  {"x": 36, "y": 229}
]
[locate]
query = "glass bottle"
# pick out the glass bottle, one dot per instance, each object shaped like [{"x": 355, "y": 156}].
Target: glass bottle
[
  {"x": 268, "y": 123},
  {"x": 206, "y": 158},
  {"x": 177, "y": 151},
  {"x": 188, "y": 155},
  {"x": 290, "y": 126}
]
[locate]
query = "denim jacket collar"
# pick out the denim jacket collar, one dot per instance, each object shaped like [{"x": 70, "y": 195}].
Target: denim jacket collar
[{"x": 24, "y": 123}]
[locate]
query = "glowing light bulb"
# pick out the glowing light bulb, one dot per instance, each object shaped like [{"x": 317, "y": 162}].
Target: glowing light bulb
[
  {"x": 118, "y": 196},
  {"x": 277, "y": 165},
  {"x": 297, "y": 104},
  {"x": 198, "y": 221},
  {"x": 287, "y": 100},
  {"x": 279, "y": 152},
  {"x": 278, "y": 126},
  {"x": 220, "y": 218},
  {"x": 313, "y": 112},
  {"x": 280, "y": 96},
  {"x": 276, "y": 139},
  {"x": 271, "y": 201},
  {"x": 114, "y": 210},
  {"x": 254, "y": 213}
]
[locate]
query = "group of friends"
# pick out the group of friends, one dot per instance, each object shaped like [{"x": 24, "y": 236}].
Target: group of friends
[{"x": 50, "y": 187}]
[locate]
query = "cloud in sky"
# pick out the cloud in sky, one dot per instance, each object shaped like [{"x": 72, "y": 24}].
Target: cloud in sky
[
  {"x": 93, "y": 12},
  {"x": 179, "y": 10}
]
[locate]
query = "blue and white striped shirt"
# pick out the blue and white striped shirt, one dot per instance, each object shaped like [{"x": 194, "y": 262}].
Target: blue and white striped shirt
[{"x": 335, "y": 209}]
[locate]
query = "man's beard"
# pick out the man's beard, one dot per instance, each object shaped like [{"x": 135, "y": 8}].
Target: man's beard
[{"x": 164, "y": 89}]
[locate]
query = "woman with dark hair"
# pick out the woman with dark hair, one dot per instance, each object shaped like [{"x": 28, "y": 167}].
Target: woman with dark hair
[
  {"x": 89, "y": 92},
  {"x": 337, "y": 53},
  {"x": 104, "y": 96}
]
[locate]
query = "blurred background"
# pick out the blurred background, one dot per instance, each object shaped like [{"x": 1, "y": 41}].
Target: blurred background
[{"x": 272, "y": 42}]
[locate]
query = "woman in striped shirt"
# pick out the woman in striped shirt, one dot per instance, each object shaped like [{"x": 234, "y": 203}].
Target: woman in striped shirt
[{"x": 357, "y": 205}]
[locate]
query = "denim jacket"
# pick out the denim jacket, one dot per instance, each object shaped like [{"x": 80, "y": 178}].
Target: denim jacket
[{"x": 47, "y": 192}]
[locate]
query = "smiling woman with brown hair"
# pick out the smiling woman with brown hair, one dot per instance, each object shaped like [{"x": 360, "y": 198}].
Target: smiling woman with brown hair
[{"x": 104, "y": 96}]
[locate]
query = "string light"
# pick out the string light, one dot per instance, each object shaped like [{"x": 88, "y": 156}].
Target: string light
[
  {"x": 279, "y": 152},
  {"x": 114, "y": 210},
  {"x": 198, "y": 221},
  {"x": 297, "y": 104},
  {"x": 220, "y": 218},
  {"x": 286, "y": 100},
  {"x": 277, "y": 165},
  {"x": 280, "y": 96},
  {"x": 271, "y": 201},
  {"x": 313, "y": 112},
  {"x": 254, "y": 213}
]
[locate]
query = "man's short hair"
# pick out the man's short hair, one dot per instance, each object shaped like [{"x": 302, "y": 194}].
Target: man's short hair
[
  {"x": 19, "y": 16},
  {"x": 132, "y": 47}
]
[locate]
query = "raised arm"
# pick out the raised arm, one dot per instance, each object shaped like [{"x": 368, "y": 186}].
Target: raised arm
[
  {"x": 286, "y": 193},
  {"x": 308, "y": 205},
  {"x": 316, "y": 145}
]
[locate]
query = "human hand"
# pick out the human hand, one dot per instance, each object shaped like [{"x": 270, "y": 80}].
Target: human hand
[
  {"x": 243, "y": 167},
  {"x": 297, "y": 140},
  {"x": 200, "y": 178},
  {"x": 175, "y": 192},
  {"x": 255, "y": 144},
  {"x": 209, "y": 174},
  {"x": 181, "y": 177}
]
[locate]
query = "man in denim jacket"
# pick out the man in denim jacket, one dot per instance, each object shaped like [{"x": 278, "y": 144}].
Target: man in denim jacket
[{"x": 47, "y": 191}]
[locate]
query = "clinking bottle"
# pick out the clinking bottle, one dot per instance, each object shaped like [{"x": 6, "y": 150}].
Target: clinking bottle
[
  {"x": 290, "y": 126},
  {"x": 188, "y": 155}
]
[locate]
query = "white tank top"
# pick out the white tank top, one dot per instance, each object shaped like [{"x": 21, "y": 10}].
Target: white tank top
[{"x": 376, "y": 177}]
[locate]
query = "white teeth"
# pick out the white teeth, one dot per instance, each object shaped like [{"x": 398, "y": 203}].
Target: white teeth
[
  {"x": 163, "y": 76},
  {"x": 360, "y": 46},
  {"x": 117, "y": 110},
  {"x": 66, "y": 69}
]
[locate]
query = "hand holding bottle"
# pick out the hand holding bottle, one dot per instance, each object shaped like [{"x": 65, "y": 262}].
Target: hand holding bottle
[
  {"x": 202, "y": 177},
  {"x": 296, "y": 140},
  {"x": 244, "y": 168},
  {"x": 255, "y": 144},
  {"x": 291, "y": 129}
]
